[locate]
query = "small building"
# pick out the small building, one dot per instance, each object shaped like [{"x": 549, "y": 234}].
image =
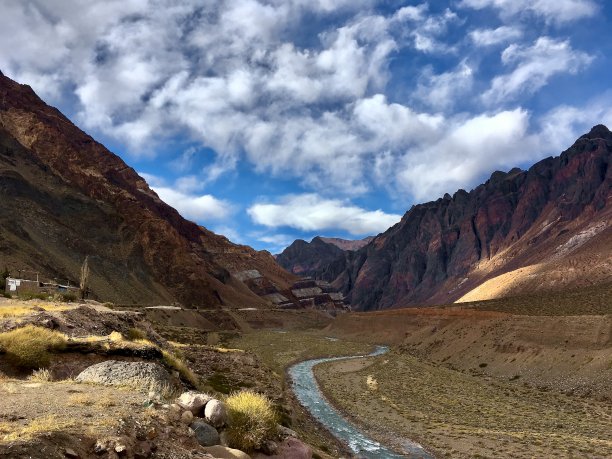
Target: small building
[{"x": 15, "y": 286}]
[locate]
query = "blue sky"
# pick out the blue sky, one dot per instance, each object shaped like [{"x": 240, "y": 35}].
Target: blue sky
[{"x": 271, "y": 120}]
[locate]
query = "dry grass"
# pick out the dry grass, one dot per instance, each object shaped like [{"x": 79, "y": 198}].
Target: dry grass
[
  {"x": 179, "y": 365},
  {"x": 252, "y": 420},
  {"x": 23, "y": 309},
  {"x": 40, "y": 375},
  {"x": 278, "y": 350},
  {"x": 39, "y": 426},
  {"x": 464, "y": 416},
  {"x": 30, "y": 346}
]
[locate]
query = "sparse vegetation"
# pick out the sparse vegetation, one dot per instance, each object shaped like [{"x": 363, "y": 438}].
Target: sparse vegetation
[
  {"x": 27, "y": 295},
  {"x": 179, "y": 365},
  {"x": 136, "y": 334},
  {"x": 29, "y": 347},
  {"x": 252, "y": 420},
  {"x": 6, "y": 273},
  {"x": 41, "y": 375},
  {"x": 84, "y": 279}
]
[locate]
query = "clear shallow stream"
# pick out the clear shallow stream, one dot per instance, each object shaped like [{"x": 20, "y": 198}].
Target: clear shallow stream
[{"x": 308, "y": 393}]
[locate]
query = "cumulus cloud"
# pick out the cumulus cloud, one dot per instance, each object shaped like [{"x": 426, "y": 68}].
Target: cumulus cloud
[
  {"x": 556, "y": 11},
  {"x": 311, "y": 212},
  {"x": 469, "y": 149},
  {"x": 442, "y": 91},
  {"x": 200, "y": 208},
  {"x": 534, "y": 66},
  {"x": 279, "y": 87},
  {"x": 490, "y": 37}
]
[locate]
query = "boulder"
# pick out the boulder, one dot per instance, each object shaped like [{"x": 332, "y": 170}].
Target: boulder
[
  {"x": 118, "y": 373},
  {"x": 187, "y": 417},
  {"x": 205, "y": 434},
  {"x": 223, "y": 452},
  {"x": 290, "y": 448},
  {"x": 193, "y": 401},
  {"x": 215, "y": 413}
]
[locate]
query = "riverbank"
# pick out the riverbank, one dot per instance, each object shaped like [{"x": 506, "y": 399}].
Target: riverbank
[
  {"x": 308, "y": 393},
  {"x": 458, "y": 415}
]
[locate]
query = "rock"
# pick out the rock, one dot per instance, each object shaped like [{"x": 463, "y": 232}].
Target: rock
[
  {"x": 100, "y": 447},
  {"x": 193, "y": 401},
  {"x": 269, "y": 447},
  {"x": 223, "y": 452},
  {"x": 187, "y": 417},
  {"x": 215, "y": 413},
  {"x": 286, "y": 431},
  {"x": 290, "y": 448},
  {"x": 143, "y": 450},
  {"x": 205, "y": 434},
  {"x": 71, "y": 453},
  {"x": 135, "y": 374}
]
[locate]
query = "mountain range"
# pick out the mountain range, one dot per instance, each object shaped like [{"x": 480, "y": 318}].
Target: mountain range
[
  {"x": 64, "y": 196},
  {"x": 543, "y": 229}
]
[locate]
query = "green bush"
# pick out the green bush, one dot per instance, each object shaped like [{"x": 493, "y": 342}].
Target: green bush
[
  {"x": 252, "y": 420},
  {"x": 29, "y": 347},
  {"x": 7, "y": 295}
]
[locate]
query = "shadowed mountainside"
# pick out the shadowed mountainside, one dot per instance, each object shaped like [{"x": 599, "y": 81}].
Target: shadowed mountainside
[
  {"x": 64, "y": 196},
  {"x": 543, "y": 229}
]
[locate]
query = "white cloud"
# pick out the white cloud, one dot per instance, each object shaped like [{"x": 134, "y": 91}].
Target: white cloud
[
  {"x": 468, "y": 149},
  {"x": 534, "y": 66},
  {"x": 442, "y": 91},
  {"x": 311, "y": 212},
  {"x": 274, "y": 84},
  {"x": 556, "y": 11},
  {"x": 490, "y": 37},
  {"x": 200, "y": 208}
]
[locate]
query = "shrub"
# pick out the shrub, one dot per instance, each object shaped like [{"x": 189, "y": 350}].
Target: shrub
[
  {"x": 252, "y": 420},
  {"x": 41, "y": 375},
  {"x": 26, "y": 295},
  {"x": 179, "y": 365},
  {"x": 29, "y": 347},
  {"x": 136, "y": 333}
]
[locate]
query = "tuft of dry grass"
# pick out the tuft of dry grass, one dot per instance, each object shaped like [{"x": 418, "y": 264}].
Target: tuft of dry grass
[
  {"x": 39, "y": 426},
  {"x": 179, "y": 365},
  {"x": 41, "y": 375},
  {"x": 30, "y": 346},
  {"x": 136, "y": 334},
  {"x": 24, "y": 309},
  {"x": 252, "y": 420}
]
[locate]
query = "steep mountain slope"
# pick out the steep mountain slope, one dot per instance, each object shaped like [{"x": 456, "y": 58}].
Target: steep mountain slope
[
  {"x": 64, "y": 196},
  {"x": 547, "y": 228},
  {"x": 317, "y": 258},
  {"x": 346, "y": 244}
]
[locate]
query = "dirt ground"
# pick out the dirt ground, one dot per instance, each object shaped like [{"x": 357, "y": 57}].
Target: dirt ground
[{"x": 458, "y": 415}]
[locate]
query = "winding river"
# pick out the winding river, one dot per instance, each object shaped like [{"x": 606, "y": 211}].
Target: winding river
[{"x": 306, "y": 389}]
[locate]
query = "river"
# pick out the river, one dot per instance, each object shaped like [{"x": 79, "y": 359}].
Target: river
[{"x": 307, "y": 391}]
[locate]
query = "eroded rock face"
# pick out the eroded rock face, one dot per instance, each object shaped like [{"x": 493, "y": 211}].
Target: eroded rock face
[
  {"x": 135, "y": 374},
  {"x": 60, "y": 186},
  {"x": 443, "y": 249}
]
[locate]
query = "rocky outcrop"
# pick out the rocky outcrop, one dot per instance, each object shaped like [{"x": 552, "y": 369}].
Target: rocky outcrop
[
  {"x": 64, "y": 196},
  {"x": 549, "y": 227},
  {"x": 141, "y": 375},
  {"x": 318, "y": 259}
]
